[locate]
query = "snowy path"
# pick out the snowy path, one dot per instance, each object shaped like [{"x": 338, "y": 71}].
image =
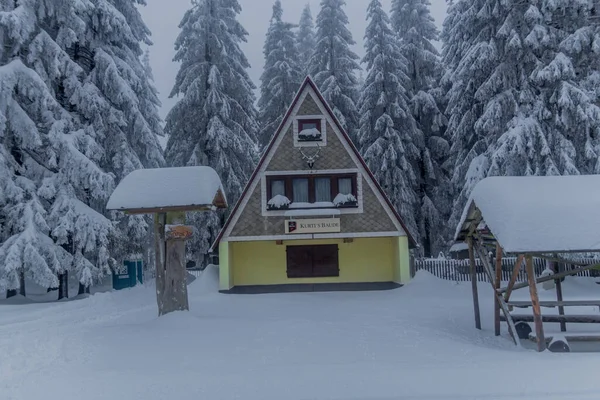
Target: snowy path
[{"x": 417, "y": 342}]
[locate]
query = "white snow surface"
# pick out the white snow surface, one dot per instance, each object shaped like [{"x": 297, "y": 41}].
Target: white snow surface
[
  {"x": 311, "y": 132},
  {"x": 166, "y": 187},
  {"x": 416, "y": 342},
  {"x": 279, "y": 201},
  {"x": 540, "y": 213},
  {"x": 318, "y": 211}
]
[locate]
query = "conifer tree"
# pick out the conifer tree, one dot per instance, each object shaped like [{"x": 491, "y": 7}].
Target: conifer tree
[
  {"x": 214, "y": 123},
  {"x": 333, "y": 63},
  {"x": 416, "y": 30},
  {"x": 387, "y": 126},
  {"x": 281, "y": 76},
  {"x": 85, "y": 117},
  {"x": 305, "y": 39},
  {"x": 517, "y": 106}
]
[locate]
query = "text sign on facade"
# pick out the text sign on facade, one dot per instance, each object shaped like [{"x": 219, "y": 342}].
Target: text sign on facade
[{"x": 325, "y": 225}]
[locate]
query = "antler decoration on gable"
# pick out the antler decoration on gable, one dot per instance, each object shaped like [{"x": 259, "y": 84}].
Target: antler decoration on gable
[{"x": 310, "y": 159}]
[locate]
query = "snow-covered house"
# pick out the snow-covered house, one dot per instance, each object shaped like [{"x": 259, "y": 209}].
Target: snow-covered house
[{"x": 312, "y": 216}]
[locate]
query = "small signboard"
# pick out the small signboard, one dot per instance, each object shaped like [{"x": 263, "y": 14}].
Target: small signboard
[
  {"x": 178, "y": 232},
  {"x": 323, "y": 225}
]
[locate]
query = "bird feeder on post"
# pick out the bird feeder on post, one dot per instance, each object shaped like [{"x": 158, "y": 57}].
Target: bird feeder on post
[{"x": 169, "y": 193}]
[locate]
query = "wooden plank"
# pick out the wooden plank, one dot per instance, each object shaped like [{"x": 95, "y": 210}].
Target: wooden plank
[
  {"x": 571, "y": 337},
  {"x": 559, "y": 295},
  {"x": 497, "y": 286},
  {"x": 537, "y": 314},
  {"x": 549, "y": 278},
  {"x": 487, "y": 268},
  {"x": 472, "y": 270},
  {"x": 556, "y": 303},
  {"x": 160, "y": 220},
  {"x": 573, "y": 318},
  {"x": 513, "y": 277}
]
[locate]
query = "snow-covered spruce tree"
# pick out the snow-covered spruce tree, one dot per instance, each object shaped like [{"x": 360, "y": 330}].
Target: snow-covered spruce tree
[
  {"x": 387, "y": 126},
  {"x": 333, "y": 64},
  {"x": 416, "y": 30},
  {"x": 281, "y": 76},
  {"x": 305, "y": 39},
  {"x": 124, "y": 110},
  {"x": 583, "y": 47},
  {"x": 528, "y": 109},
  {"x": 49, "y": 155},
  {"x": 214, "y": 123}
]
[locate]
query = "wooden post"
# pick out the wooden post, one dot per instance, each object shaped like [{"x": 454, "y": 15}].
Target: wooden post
[
  {"x": 172, "y": 295},
  {"x": 496, "y": 287},
  {"x": 513, "y": 277},
  {"x": 537, "y": 314},
  {"x": 504, "y": 307},
  {"x": 160, "y": 220},
  {"x": 474, "y": 284},
  {"x": 559, "y": 295}
]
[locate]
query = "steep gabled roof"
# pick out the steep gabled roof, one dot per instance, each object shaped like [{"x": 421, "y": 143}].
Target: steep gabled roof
[{"x": 308, "y": 82}]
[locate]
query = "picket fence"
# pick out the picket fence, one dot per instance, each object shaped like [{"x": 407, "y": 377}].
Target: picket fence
[{"x": 458, "y": 270}]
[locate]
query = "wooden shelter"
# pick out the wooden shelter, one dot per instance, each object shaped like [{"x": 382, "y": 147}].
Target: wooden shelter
[
  {"x": 544, "y": 217},
  {"x": 168, "y": 193}
]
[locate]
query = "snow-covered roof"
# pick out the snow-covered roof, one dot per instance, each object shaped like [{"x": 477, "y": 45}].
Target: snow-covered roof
[
  {"x": 537, "y": 214},
  {"x": 168, "y": 189},
  {"x": 461, "y": 246}
]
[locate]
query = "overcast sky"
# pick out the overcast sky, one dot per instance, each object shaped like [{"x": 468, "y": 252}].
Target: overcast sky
[{"x": 163, "y": 17}]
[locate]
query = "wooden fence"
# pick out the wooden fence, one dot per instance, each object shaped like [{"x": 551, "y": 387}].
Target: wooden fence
[{"x": 458, "y": 270}]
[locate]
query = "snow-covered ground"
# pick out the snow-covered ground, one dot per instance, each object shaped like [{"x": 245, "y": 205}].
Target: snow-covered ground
[{"x": 417, "y": 342}]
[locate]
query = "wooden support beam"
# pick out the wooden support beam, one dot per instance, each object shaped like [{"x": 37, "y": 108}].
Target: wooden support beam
[
  {"x": 559, "y": 295},
  {"x": 513, "y": 277},
  {"x": 551, "y": 277},
  {"x": 497, "y": 286},
  {"x": 473, "y": 273},
  {"x": 171, "y": 275},
  {"x": 537, "y": 314},
  {"x": 503, "y": 306}
]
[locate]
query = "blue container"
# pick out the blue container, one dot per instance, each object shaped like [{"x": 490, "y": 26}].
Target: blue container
[{"x": 128, "y": 275}]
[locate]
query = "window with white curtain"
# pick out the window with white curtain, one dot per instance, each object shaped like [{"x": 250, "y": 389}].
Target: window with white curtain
[
  {"x": 345, "y": 185},
  {"x": 300, "y": 187},
  {"x": 322, "y": 189},
  {"x": 277, "y": 188}
]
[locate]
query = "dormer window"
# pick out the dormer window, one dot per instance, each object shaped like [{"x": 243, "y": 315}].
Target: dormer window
[{"x": 309, "y": 130}]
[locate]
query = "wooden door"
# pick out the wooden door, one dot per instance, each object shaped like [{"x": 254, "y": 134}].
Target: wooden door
[
  {"x": 312, "y": 261},
  {"x": 299, "y": 261}
]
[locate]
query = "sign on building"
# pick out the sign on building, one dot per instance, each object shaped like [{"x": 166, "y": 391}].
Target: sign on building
[{"x": 323, "y": 225}]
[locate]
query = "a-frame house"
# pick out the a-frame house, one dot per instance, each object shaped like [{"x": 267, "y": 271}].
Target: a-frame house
[{"x": 312, "y": 216}]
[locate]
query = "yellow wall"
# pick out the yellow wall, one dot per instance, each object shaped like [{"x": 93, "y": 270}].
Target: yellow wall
[{"x": 363, "y": 260}]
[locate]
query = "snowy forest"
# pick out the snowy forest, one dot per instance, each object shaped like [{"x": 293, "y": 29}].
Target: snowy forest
[{"x": 514, "y": 90}]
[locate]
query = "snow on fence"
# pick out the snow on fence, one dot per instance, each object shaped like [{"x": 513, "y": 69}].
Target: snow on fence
[{"x": 458, "y": 270}]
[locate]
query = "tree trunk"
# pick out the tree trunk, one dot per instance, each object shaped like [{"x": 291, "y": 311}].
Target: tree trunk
[
  {"x": 63, "y": 285},
  {"x": 22, "y": 283},
  {"x": 83, "y": 289}
]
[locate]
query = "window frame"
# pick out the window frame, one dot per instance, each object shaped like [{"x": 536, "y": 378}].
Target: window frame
[
  {"x": 289, "y": 189},
  {"x": 318, "y": 122}
]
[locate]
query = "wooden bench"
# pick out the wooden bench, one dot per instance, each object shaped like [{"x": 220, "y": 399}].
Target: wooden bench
[
  {"x": 552, "y": 304},
  {"x": 573, "y": 318}
]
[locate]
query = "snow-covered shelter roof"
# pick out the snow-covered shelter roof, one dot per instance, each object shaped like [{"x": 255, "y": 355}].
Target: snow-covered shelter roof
[
  {"x": 537, "y": 214},
  {"x": 168, "y": 189}
]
